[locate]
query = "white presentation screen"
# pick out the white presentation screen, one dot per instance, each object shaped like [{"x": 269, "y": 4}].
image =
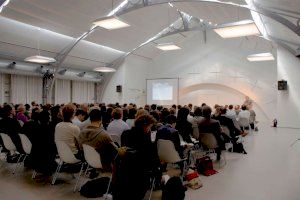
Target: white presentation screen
[{"x": 162, "y": 91}]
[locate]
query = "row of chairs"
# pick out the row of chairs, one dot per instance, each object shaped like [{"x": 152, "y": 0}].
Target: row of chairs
[{"x": 92, "y": 158}]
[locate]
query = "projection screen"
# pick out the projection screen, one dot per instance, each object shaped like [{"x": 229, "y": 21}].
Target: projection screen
[{"x": 162, "y": 91}]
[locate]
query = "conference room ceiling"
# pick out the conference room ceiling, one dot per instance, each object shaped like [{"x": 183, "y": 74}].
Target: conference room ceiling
[{"x": 74, "y": 17}]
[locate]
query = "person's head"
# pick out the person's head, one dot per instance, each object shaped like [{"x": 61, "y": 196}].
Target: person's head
[
  {"x": 27, "y": 107},
  {"x": 155, "y": 115},
  {"x": 44, "y": 117},
  {"x": 237, "y": 107},
  {"x": 33, "y": 103},
  {"x": 172, "y": 111},
  {"x": 171, "y": 120},
  {"x": 95, "y": 116},
  {"x": 35, "y": 114},
  {"x": 7, "y": 111},
  {"x": 223, "y": 110},
  {"x": 206, "y": 112},
  {"x": 80, "y": 114},
  {"x": 147, "y": 107},
  {"x": 141, "y": 112},
  {"x": 153, "y": 107},
  {"x": 84, "y": 107},
  {"x": 21, "y": 108},
  {"x": 68, "y": 112},
  {"x": 244, "y": 107},
  {"x": 174, "y": 106},
  {"x": 179, "y": 107},
  {"x": 203, "y": 104},
  {"x": 117, "y": 113},
  {"x": 247, "y": 98},
  {"x": 230, "y": 107},
  {"x": 145, "y": 123},
  {"x": 198, "y": 112},
  {"x": 131, "y": 113},
  {"x": 55, "y": 111},
  {"x": 226, "y": 106},
  {"x": 182, "y": 114},
  {"x": 159, "y": 108}
]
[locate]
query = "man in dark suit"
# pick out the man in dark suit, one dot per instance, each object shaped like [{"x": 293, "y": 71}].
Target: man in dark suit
[{"x": 208, "y": 125}]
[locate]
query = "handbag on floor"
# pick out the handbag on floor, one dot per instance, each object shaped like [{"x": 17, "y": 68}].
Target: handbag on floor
[
  {"x": 204, "y": 166},
  {"x": 173, "y": 189}
]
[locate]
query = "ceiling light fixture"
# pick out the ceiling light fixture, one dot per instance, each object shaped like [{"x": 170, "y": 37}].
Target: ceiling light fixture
[
  {"x": 110, "y": 23},
  {"x": 40, "y": 59},
  {"x": 104, "y": 69},
  {"x": 168, "y": 47},
  {"x": 237, "y": 29},
  {"x": 261, "y": 57}
]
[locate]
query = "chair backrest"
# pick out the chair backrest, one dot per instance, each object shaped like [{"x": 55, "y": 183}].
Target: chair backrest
[
  {"x": 92, "y": 157},
  {"x": 8, "y": 143},
  {"x": 26, "y": 144},
  {"x": 21, "y": 123},
  {"x": 116, "y": 138},
  {"x": 225, "y": 130},
  {"x": 65, "y": 153},
  {"x": 243, "y": 121},
  {"x": 208, "y": 140},
  {"x": 167, "y": 152}
]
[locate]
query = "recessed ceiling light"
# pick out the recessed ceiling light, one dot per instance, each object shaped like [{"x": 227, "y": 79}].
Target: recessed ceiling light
[
  {"x": 238, "y": 29},
  {"x": 40, "y": 59},
  {"x": 261, "y": 57},
  {"x": 104, "y": 69},
  {"x": 110, "y": 23},
  {"x": 168, "y": 47}
]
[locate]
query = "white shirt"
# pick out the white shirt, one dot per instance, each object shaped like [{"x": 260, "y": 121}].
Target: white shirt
[
  {"x": 244, "y": 114},
  {"x": 77, "y": 122},
  {"x": 231, "y": 114},
  {"x": 130, "y": 122},
  {"x": 68, "y": 133},
  {"x": 117, "y": 127}
]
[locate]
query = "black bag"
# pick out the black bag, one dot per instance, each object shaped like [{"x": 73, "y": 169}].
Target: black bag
[
  {"x": 95, "y": 188},
  {"x": 238, "y": 148},
  {"x": 173, "y": 190}
]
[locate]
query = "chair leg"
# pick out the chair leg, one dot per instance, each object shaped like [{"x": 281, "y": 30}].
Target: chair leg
[
  {"x": 79, "y": 176},
  {"x": 34, "y": 173},
  {"x": 56, "y": 172},
  {"x": 18, "y": 162},
  {"x": 108, "y": 187},
  {"x": 84, "y": 175},
  {"x": 152, "y": 187}
]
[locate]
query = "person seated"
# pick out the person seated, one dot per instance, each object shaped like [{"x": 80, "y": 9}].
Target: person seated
[
  {"x": 208, "y": 125},
  {"x": 79, "y": 118},
  {"x": 21, "y": 114},
  {"x": 196, "y": 119},
  {"x": 168, "y": 132},
  {"x": 95, "y": 136},
  {"x": 131, "y": 117},
  {"x": 11, "y": 126},
  {"x": 117, "y": 126},
  {"x": 226, "y": 121},
  {"x": 183, "y": 126},
  {"x": 244, "y": 114},
  {"x": 252, "y": 117},
  {"x": 132, "y": 181},
  {"x": 67, "y": 132},
  {"x": 230, "y": 112}
]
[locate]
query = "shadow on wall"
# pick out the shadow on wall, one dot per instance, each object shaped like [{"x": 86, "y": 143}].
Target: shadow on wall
[{"x": 209, "y": 92}]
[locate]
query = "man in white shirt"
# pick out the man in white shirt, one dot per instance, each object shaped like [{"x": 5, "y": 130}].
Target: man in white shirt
[
  {"x": 117, "y": 126},
  {"x": 230, "y": 113},
  {"x": 243, "y": 117},
  {"x": 66, "y": 131}
]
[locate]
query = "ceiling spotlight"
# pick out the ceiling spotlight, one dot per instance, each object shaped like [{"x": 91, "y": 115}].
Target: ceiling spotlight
[
  {"x": 62, "y": 72},
  {"x": 237, "y": 29},
  {"x": 168, "y": 47},
  {"x": 81, "y": 74},
  {"x": 105, "y": 69},
  {"x": 40, "y": 59},
  {"x": 11, "y": 65},
  {"x": 110, "y": 23},
  {"x": 261, "y": 57}
]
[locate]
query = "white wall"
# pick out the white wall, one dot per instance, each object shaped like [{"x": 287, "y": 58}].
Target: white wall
[
  {"x": 218, "y": 65},
  {"x": 288, "y": 110},
  {"x": 132, "y": 76}
]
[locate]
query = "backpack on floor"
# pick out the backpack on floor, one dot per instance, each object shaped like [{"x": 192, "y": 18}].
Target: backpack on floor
[
  {"x": 173, "y": 189},
  {"x": 205, "y": 166},
  {"x": 95, "y": 188}
]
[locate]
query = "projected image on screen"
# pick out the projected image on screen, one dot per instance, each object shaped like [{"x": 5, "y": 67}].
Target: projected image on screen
[{"x": 162, "y": 91}]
